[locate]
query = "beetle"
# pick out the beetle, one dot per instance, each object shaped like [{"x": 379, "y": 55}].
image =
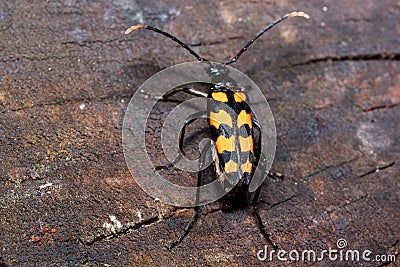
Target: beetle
[{"x": 231, "y": 126}]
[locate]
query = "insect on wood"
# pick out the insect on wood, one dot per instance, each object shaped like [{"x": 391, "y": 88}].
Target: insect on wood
[{"x": 235, "y": 152}]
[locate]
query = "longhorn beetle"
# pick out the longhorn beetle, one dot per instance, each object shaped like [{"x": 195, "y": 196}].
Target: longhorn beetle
[{"x": 231, "y": 125}]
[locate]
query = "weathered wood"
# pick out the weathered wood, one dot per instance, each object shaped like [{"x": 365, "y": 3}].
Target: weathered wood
[{"x": 68, "y": 72}]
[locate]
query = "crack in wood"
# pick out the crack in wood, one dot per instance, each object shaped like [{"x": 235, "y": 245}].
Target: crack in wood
[
  {"x": 125, "y": 229},
  {"x": 283, "y": 201},
  {"x": 90, "y": 42},
  {"x": 347, "y": 203},
  {"x": 67, "y": 101},
  {"x": 383, "y": 106},
  {"x": 358, "y": 57},
  {"x": 325, "y": 168},
  {"x": 54, "y": 56},
  {"x": 377, "y": 169}
]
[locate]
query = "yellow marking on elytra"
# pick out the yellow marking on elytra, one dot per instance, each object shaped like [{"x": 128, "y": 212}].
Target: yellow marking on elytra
[
  {"x": 246, "y": 167},
  {"x": 244, "y": 118},
  {"x": 220, "y": 117},
  {"x": 246, "y": 143},
  {"x": 225, "y": 144},
  {"x": 220, "y": 96},
  {"x": 231, "y": 166},
  {"x": 239, "y": 97}
]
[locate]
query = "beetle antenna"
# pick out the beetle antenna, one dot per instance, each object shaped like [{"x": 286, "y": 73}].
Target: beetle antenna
[
  {"x": 166, "y": 34},
  {"x": 258, "y": 35}
]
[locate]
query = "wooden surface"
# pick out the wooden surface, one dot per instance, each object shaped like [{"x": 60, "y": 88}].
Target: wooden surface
[{"x": 68, "y": 72}]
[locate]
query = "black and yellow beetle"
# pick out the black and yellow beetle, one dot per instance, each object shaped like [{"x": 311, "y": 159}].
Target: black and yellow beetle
[{"x": 231, "y": 126}]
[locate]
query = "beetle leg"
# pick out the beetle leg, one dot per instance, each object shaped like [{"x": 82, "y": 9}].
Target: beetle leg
[
  {"x": 275, "y": 175},
  {"x": 189, "y": 225},
  {"x": 260, "y": 223},
  {"x": 188, "y": 90},
  {"x": 191, "y": 91},
  {"x": 254, "y": 202},
  {"x": 261, "y": 158},
  {"x": 188, "y": 121}
]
